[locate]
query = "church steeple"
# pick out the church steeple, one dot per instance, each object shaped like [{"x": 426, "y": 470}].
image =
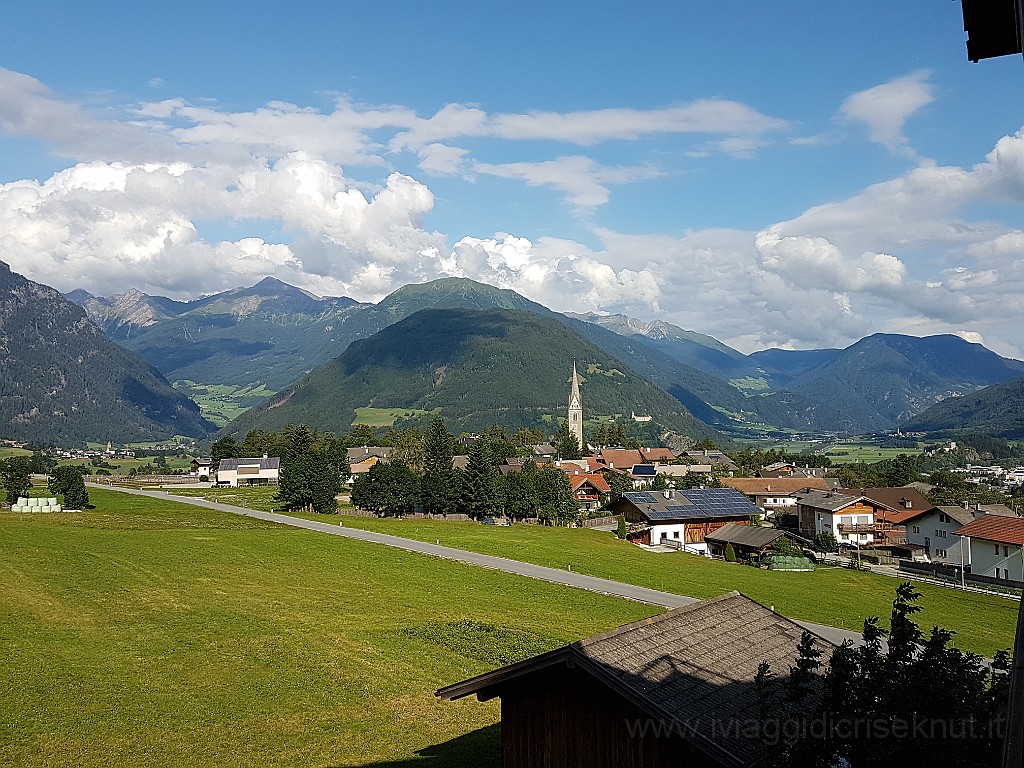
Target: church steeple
[{"x": 576, "y": 408}]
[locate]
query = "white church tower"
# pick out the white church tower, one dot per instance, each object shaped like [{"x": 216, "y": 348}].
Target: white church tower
[{"x": 576, "y": 408}]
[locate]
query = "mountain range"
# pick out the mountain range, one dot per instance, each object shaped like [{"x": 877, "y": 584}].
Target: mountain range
[
  {"x": 477, "y": 367},
  {"x": 63, "y": 381},
  {"x": 273, "y": 334}
]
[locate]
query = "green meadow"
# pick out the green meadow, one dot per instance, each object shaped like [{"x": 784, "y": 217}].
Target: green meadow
[
  {"x": 386, "y": 417},
  {"x": 150, "y": 633},
  {"x": 838, "y": 597}
]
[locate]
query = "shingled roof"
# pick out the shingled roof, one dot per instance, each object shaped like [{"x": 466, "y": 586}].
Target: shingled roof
[
  {"x": 1006, "y": 530},
  {"x": 693, "y": 665}
]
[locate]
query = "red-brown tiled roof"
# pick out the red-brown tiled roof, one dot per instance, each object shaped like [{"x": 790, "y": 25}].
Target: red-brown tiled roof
[
  {"x": 621, "y": 458},
  {"x": 1007, "y": 530},
  {"x": 598, "y": 481}
]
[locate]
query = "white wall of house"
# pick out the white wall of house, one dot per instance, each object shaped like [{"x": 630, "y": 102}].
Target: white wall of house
[
  {"x": 248, "y": 476},
  {"x": 993, "y": 558},
  {"x": 676, "y": 532},
  {"x": 934, "y": 532}
]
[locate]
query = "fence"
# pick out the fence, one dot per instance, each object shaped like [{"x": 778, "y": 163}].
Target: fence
[
  {"x": 594, "y": 522},
  {"x": 952, "y": 573}
]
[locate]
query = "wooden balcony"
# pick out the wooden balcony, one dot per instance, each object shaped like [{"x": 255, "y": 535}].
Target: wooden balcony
[{"x": 857, "y": 527}]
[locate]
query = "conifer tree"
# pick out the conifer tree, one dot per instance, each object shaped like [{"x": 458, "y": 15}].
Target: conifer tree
[{"x": 438, "y": 490}]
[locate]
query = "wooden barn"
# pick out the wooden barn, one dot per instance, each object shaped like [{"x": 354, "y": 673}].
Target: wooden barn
[{"x": 673, "y": 690}]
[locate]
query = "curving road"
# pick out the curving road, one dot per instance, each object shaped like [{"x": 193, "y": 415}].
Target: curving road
[{"x": 554, "y": 575}]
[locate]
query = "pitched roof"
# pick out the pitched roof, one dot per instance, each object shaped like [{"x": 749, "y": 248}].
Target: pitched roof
[
  {"x": 363, "y": 452},
  {"x": 263, "y": 462},
  {"x": 745, "y": 535},
  {"x": 621, "y": 458},
  {"x": 596, "y": 480},
  {"x": 694, "y": 665},
  {"x": 763, "y": 486},
  {"x": 658, "y": 454},
  {"x": 689, "y": 504},
  {"x": 829, "y": 501},
  {"x": 1006, "y": 530},
  {"x": 903, "y": 502}
]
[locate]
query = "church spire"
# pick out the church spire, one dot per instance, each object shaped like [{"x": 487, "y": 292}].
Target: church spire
[{"x": 576, "y": 408}]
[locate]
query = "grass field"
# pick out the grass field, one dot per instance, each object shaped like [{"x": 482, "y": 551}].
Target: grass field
[
  {"x": 838, "y": 597},
  {"x": 6, "y": 453},
  {"x": 870, "y": 453},
  {"x": 385, "y": 417},
  {"x": 148, "y": 633},
  {"x": 220, "y": 403}
]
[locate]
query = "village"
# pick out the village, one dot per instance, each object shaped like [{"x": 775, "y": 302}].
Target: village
[{"x": 787, "y": 515}]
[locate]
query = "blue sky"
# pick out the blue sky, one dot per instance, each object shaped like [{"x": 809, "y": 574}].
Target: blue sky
[{"x": 787, "y": 174}]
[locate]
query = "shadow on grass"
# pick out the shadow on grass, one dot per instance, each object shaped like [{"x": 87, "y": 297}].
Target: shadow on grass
[{"x": 478, "y": 749}]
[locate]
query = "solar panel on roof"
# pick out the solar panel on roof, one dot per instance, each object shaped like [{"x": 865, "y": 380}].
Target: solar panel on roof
[{"x": 640, "y": 497}]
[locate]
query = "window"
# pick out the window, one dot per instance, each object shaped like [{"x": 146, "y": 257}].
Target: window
[
  {"x": 1006, "y": 551},
  {"x": 997, "y": 554},
  {"x": 675, "y": 534},
  {"x": 1006, "y": 574},
  {"x": 917, "y": 529}
]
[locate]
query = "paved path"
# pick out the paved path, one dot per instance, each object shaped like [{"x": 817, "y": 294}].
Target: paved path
[{"x": 554, "y": 575}]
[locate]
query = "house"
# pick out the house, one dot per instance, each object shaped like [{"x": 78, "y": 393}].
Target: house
[
  {"x": 682, "y": 517},
  {"x": 748, "y": 541},
  {"x": 790, "y": 469},
  {"x": 775, "y": 495},
  {"x": 588, "y": 490},
  {"x": 658, "y": 455},
  {"x": 718, "y": 460},
  {"x": 688, "y": 672},
  {"x": 996, "y": 544},
  {"x": 643, "y": 475},
  {"x": 202, "y": 467},
  {"x": 850, "y": 518},
  {"x": 899, "y": 504},
  {"x": 256, "y": 471},
  {"x": 934, "y": 530},
  {"x": 358, "y": 455},
  {"x": 682, "y": 470},
  {"x": 544, "y": 452},
  {"x": 620, "y": 458}
]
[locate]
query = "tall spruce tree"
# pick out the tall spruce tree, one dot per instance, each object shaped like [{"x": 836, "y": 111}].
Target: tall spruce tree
[
  {"x": 481, "y": 492},
  {"x": 438, "y": 489}
]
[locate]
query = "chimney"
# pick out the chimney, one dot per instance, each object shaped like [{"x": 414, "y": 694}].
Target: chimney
[{"x": 768, "y": 487}]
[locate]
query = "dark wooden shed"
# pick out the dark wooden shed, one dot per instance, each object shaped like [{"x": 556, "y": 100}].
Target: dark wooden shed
[{"x": 673, "y": 690}]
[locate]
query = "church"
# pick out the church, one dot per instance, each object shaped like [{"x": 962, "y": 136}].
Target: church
[{"x": 576, "y": 409}]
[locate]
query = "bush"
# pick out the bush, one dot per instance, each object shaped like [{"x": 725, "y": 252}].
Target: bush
[
  {"x": 622, "y": 530},
  {"x": 730, "y": 553}
]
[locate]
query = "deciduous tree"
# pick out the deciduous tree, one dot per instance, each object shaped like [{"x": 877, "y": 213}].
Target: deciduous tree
[
  {"x": 69, "y": 483},
  {"x": 17, "y": 476}
]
